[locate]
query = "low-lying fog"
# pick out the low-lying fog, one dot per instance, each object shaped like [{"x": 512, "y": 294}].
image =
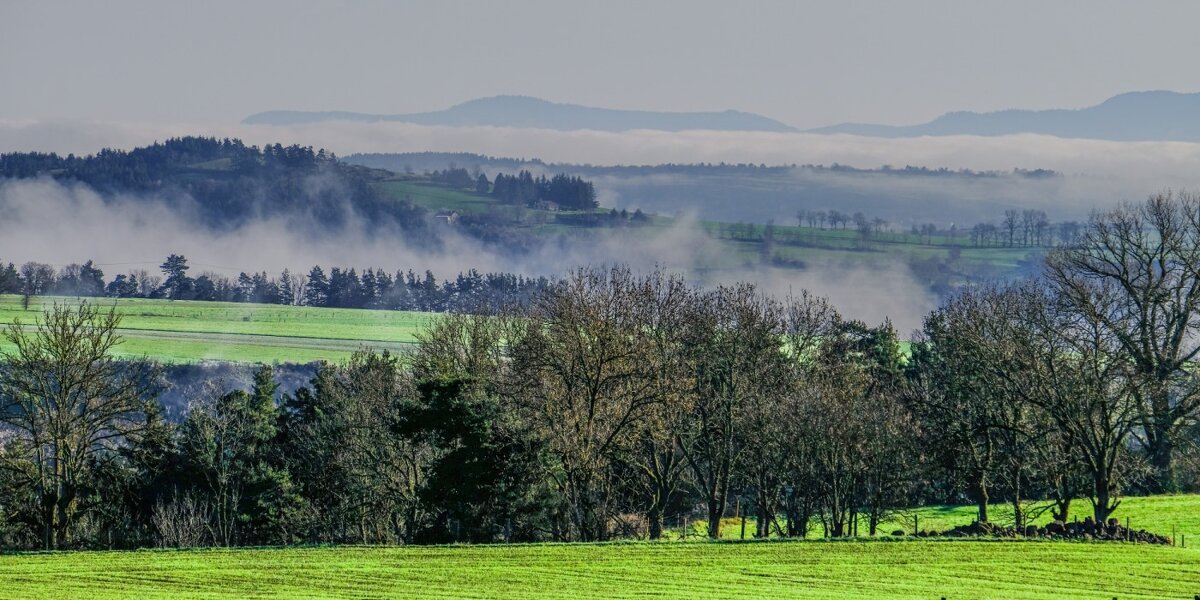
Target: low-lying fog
[{"x": 50, "y": 222}]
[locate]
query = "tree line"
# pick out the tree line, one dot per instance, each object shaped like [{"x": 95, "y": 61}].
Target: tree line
[
  {"x": 340, "y": 288},
  {"x": 616, "y": 404},
  {"x": 1025, "y": 228},
  {"x": 562, "y": 191}
]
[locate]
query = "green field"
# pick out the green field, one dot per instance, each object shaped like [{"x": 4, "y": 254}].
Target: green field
[
  {"x": 182, "y": 332},
  {"x": 887, "y": 568},
  {"x": 1164, "y": 515},
  {"x": 852, "y": 569},
  {"x": 435, "y": 197},
  {"x": 1158, "y": 514}
]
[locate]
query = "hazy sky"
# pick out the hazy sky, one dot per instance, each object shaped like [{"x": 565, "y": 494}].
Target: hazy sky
[{"x": 806, "y": 63}]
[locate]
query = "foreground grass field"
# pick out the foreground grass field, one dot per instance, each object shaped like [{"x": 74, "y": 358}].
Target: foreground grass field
[
  {"x": 909, "y": 569},
  {"x": 184, "y": 332}
]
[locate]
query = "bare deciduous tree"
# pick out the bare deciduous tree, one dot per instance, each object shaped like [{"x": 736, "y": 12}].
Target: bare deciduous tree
[
  {"x": 1135, "y": 272},
  {"x": 580, "y": 367},
  {"x": 69, "y": 405},
  {"x": 736, "y": 354}
]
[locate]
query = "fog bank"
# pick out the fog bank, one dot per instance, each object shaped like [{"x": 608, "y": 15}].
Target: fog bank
[{"x": 51, "y": 222}]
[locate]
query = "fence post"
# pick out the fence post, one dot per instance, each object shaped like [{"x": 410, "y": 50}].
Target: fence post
[{"x": 916, "y": 524}]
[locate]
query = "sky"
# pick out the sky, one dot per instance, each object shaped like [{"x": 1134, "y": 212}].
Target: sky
[{"x": 808, "y": 64}]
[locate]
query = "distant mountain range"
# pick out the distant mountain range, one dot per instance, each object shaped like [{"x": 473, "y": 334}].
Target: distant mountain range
[
  {"x": 527, "y": 112},
  {"x": 1135, "y": 116}
]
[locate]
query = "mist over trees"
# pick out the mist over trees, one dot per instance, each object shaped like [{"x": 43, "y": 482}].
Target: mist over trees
[
  {"x": 758, "y": 192},
  {"x": 225, "y": 183}
]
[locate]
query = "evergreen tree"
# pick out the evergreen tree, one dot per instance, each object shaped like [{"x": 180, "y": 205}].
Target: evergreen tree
[
  {"x": 178, "y": 286},
  {"x": 10, "y": 281},
  {"x": 91, "y": 280},
  {"x": 122, "y": 287},
  {"x": 287, "y": 293},
  {"x": 316, "y": 291}
]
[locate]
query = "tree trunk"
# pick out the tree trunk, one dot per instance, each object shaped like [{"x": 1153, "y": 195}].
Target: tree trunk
[
  {"x": 982, "y": 498},
  {"x": 717, "y": 500},
  {"x": 805, "y": 518},
  {"x": 716, "y": 510},
  {"x": 1162, "y": 453},
  {"x": 47, "y": 524},
  {"x": 1101, "y": 509},
  {"x": 798, "y": 517},
  {"x": 1103, "y": 505},
  {"x": 1160, "y": 448},
  {"x": 654, "y": 520},
  {"x": 62, "y": 524},
  {"x": 1062, "y": 509},
  {"x": 837, "y": 520},
  {"x": 766, "y": 514}
]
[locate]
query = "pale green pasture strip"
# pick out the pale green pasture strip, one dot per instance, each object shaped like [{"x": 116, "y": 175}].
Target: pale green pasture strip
[
  {"x": 245, "y": 349},
  {"x": 235, "y": 332}
]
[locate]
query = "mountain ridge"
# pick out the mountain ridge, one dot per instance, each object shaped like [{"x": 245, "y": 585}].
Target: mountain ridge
[
  {"x": 530, "y": 112},
  {"x": 1157, "y": 115}
]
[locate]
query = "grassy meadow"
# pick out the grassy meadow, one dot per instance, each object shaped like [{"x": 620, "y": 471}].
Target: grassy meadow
[
  {"x": 436, "y": 197},
  {"x": 796, "y": 569},
  {"x": 899, "y": 568},
  {"x": 184, "y": 332},
  {"x": 1164, "y": 515}
]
